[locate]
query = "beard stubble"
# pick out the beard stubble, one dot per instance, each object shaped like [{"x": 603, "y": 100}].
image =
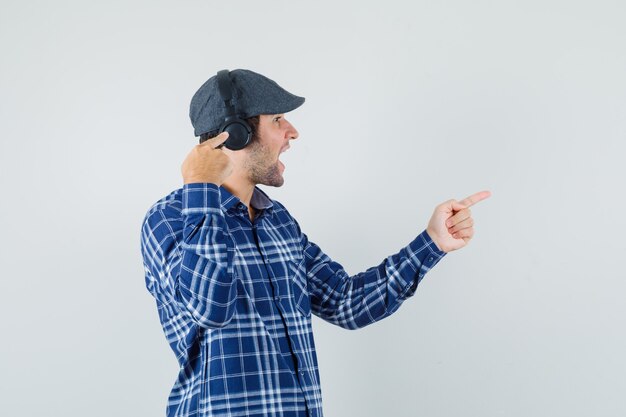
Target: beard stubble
[{"x": 262, "y": 166}]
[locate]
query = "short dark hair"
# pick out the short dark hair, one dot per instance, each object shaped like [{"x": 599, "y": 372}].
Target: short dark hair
[{"x": 252, "y": 121}]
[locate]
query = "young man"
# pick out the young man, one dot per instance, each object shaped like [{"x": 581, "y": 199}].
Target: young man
[{"x": 236, "y": 280}]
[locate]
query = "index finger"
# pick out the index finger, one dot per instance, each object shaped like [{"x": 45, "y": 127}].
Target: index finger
[
  {"x": 217, "y": 141},
  {"x": 475, "y": 198}
]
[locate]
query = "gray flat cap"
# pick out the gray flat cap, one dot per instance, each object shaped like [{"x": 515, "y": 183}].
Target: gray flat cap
[{"x": 253, "y": 94}]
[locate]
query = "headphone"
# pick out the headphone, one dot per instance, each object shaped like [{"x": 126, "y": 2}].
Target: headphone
[{"x": 239, "y": 131}]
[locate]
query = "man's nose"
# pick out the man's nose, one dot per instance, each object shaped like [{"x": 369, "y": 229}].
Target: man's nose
[{"x": 292, "y": 133}]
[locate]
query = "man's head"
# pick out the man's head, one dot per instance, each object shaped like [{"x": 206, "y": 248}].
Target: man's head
[
  {"x": 262, "y": 103},
  {"x": 259, "y": 163},
  {"x": 240, "y": 93}
]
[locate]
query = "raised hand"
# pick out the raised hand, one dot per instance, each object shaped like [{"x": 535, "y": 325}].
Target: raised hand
[
  {"x": 451, "y": 226},
  {"x": 207, "y": 162}
]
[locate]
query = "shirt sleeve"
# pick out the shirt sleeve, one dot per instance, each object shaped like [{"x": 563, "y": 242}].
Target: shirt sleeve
[
  {"x": 189, "y": 257},
  {"x": 367, "y": 297}
]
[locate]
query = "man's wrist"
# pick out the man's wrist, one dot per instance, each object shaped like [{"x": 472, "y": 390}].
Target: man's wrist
[{"x": 434, "y": 238}]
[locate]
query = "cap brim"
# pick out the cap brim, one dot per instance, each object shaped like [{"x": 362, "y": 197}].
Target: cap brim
[{"x": 285, "y": 105}]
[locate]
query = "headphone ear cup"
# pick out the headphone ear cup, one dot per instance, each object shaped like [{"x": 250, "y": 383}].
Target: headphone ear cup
[{"x": 239, "y": 134}]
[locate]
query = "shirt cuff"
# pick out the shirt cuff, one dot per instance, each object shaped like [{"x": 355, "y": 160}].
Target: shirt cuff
[
  {"x": 201, "y": 197},
  {"x": 424, "y": 254}
]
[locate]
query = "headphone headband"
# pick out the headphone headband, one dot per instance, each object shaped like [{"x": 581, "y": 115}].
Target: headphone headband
[
  {"x": 238, "y": 130},
  {"x": 224, "y": 87}
]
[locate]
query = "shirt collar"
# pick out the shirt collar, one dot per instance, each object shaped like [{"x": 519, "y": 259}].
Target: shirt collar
[{"x": 259, "y": 200}]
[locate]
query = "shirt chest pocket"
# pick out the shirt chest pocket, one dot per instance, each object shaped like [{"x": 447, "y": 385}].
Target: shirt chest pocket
[{"x": 298, "y": 282}]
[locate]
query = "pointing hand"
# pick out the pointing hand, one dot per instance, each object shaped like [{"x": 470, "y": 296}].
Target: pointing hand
[{"x": 451, "y": 226}]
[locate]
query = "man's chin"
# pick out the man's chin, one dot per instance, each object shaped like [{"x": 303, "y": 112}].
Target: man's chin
[
  {"x": 277, "y": 183},
  {"x": 272, "y": 177},
  {"x": 276, "y": 178}
]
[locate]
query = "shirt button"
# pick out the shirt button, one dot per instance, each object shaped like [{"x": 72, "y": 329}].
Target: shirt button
[{"x": 430, "y": 259}]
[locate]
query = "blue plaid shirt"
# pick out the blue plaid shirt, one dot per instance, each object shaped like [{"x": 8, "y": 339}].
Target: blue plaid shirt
[{"x": 235, "y": 299}]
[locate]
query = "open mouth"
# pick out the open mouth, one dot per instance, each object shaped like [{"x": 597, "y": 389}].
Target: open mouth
[{"x": 281, "y": 152}]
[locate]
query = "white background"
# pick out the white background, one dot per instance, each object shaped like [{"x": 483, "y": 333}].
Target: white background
[{"x": 408, "y": 104}]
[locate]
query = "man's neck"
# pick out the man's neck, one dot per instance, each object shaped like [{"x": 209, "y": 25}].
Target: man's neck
[{"x": 241, "y": 188}]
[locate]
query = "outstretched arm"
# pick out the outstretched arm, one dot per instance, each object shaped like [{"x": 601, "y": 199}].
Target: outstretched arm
[{"x": 355, "y": 301}]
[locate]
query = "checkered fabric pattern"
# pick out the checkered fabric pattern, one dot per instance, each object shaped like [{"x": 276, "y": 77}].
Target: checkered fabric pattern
[{"x": 235, "y": 298}]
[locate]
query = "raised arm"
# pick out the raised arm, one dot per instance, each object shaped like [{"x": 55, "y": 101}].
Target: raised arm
[
  {"x": 186, "y": 253},
  {"x": 188, "y": 258}
]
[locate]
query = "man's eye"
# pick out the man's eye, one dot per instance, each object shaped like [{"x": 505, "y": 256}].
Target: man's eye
[{"x": 276, "y": 118}]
